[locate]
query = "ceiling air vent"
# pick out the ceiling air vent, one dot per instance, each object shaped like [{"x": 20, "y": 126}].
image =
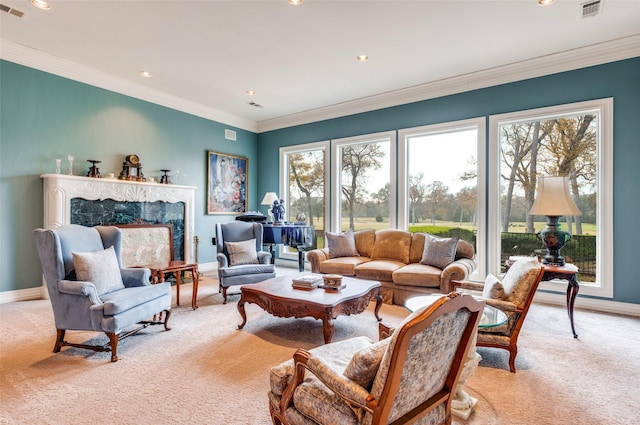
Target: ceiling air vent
[
  {"x": 11, "y": 11},
  {"x": 257, "y": 105},
  {"x": 590, "y": 8}
]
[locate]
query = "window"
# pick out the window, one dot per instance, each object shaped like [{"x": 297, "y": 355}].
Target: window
[
  {"x": 363, "y": 194},
  {"x": 572, "y": 140},
  {"x": 440, "y": 185},
  {"x": 303, "y": 185}
]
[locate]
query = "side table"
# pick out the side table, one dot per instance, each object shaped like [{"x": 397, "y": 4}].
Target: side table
[{"x": 568, "y": 272}]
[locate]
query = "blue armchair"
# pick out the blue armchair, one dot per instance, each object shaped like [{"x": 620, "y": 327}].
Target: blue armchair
[
  {"x": 113, "y": 301},
  {"x": 240, "y": 256}
]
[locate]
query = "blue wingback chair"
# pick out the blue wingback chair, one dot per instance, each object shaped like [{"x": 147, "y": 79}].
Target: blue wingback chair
[
  {"x": 231, "y": 274},
  {"x": 78, "y": 305}
]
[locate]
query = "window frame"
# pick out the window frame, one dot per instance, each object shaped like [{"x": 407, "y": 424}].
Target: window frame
[
  {"x": 285, "y": 151},
  {"x": 336, "y": 174},
  {"x": 479, "y": 124},
  {"x": 603, "y": 287}
]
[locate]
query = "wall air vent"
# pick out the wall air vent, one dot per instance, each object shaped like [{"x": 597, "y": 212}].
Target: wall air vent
[
  {"x": 229, "y": 134},
  {"x": 590, "y": 8},
  {"x": 11, "y": 11}
]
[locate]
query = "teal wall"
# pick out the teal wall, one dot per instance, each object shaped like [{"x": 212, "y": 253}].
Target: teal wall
[
  {"x": 43, "y": 117},
  {"x": 620, "y": 80}
]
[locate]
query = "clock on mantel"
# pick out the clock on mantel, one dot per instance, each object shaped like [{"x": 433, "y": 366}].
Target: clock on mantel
[{"x": 131, "y": 169}]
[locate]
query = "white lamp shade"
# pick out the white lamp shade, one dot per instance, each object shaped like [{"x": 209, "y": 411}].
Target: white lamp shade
[
  {"x": 268, "y": 199},
  {"x": 553, "y": 198}
]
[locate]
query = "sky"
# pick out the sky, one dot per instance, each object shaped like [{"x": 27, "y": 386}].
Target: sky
[{"x": 443, "y": 157}]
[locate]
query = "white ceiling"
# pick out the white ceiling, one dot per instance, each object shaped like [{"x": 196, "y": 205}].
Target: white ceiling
[{"x": 300, "y": 60}]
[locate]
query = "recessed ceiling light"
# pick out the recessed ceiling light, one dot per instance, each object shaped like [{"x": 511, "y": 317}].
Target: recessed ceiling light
[
  {"x": 362, "y": 58},
  {"x": 545, "y": 2},
  {"x": 145, "y": 74},
  {"x": 295, "y": 2},
  {"x": 41, "y": 4},
  {"x": 250, "y": 92}
]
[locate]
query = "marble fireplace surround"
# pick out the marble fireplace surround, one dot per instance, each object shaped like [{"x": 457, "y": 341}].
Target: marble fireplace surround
[{"x": 60, "y": 189}]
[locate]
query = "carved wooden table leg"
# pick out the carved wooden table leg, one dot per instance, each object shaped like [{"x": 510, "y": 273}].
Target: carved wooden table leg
[
  {"x": 195, "y": 279},
  {"x": 327, "y": 326},
  {"x": 378, "y": 305},
  {"x": 241, "y": 303}
]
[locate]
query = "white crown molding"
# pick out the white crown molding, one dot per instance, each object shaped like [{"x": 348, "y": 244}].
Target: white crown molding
[
  {"x": 596, "y": 54},
  {"x": 36, "y": 59}
]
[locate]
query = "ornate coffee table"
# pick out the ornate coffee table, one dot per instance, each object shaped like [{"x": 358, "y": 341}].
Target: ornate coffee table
[{"x": 277, "y": 297}]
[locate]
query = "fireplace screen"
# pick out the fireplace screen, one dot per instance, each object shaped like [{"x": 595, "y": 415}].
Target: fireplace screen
[{"x": 104, "y": 212}]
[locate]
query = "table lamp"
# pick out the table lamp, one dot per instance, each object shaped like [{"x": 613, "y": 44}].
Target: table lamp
[
  {"x": 268, "y": 199},
  {"x": 554, "y": 200}
]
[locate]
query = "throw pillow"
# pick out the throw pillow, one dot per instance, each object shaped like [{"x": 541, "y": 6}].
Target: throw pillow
[
  {"x": 100, "y": 268},
  {"x": 364, "y": 364},
  {"x": 438, "y": 252},
  {"x": 242, "y": 252},
  {"x": 342, "y": 244},
  {"x": 493, "y": 288}
]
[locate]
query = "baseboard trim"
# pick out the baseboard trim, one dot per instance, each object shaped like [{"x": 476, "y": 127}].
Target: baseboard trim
[
  {"x": 595, "y": 304},
  {"x": 37, "y": 293}
]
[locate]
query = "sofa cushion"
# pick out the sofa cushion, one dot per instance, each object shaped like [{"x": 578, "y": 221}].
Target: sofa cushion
[
  {"x": 364, "y": 364},
  {"x": 464, "y": 250},
  {"x": 364, "y": 241},
  {"x": 378, "y": 270},
  {"x": 344, "y": 265},
  {"x": 392, "y": 244},
  {"x": 100, "y": 268},
  {"x": 341, "y": 244},
  {"x": 493, "y": 288},
  {"x": 439, "y": 252},
  {"x": 417, "y": 274},
  {"x": 243, "y": 252}
]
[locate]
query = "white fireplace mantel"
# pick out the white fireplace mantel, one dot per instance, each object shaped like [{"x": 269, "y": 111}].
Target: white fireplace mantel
[{"x": 60, "y": 189}]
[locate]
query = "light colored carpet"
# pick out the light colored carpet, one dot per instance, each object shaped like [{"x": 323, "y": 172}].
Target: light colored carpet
[{"x": 205, "y": 371}]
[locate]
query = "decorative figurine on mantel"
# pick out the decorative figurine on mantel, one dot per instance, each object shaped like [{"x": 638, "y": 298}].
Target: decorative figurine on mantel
[
  {"x": 93, "y": 170},
  {"x": 278, "y": 211},
  {"x": 165, "y": 177}
]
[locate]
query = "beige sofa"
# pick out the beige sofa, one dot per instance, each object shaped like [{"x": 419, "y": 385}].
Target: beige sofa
[{"x": 393, "y": 257}]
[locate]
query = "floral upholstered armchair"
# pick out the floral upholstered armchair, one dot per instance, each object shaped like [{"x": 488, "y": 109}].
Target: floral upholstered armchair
[
  {"x": 409, "y": 377},
  {"x": 513, "y": 295}
]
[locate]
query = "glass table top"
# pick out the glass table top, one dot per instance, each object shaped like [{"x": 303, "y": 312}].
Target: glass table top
[{"x": 491, "y": 316}]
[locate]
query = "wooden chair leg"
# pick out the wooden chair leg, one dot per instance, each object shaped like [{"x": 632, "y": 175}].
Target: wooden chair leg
[
  {"x": 59, "y": 340},
  {"x": 167, "y": 313},
  {"x": 513, "y": 352},
  {"x": 224, "y": 295},
  {"x": 113, "y": 342}
]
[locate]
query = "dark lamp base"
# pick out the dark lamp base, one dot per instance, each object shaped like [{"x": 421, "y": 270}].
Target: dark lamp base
[{"x": 553, "y": 239}]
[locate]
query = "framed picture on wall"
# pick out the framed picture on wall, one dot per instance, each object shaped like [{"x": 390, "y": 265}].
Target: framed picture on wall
[{"x": 226, "y": 184}]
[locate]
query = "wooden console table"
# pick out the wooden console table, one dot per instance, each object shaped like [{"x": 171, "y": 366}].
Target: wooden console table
[{"x": 568, "y": 272}]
